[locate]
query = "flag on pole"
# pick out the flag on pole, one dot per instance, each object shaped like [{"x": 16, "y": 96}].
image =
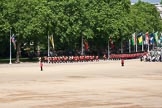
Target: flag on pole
[
  {"x": 133, "y": 39},
  {"x": 156, "y": 37},
  {"x": 161, "y": 38},
  {"x": 151, "y": 38},
  {"x": 112, "y": 44},
  {"x": 13, "y": 40},
  {"x": 140, "y": 39},
  {"x": 52, "y": 41},
  {"x": 86, "y": 45},
  {"x": 147, "y": 38}
]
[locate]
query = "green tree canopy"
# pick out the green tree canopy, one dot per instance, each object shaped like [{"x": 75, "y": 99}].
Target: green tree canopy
[{"x": 69, "y": 20}]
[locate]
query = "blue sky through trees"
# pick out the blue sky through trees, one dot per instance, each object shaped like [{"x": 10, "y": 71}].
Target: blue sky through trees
[{"x": 150, "y": 1}]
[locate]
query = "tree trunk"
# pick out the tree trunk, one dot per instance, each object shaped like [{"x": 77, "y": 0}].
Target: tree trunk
[{"x": 18, "y": 52}]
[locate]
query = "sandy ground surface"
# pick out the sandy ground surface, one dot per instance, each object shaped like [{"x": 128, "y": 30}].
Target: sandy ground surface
[{"x": 103, "y": 84}]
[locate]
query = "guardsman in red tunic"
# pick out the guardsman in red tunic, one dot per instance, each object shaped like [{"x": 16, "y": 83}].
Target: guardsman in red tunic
[
  {"x": 91, "y": 58},
  {"x": 72, "y": 59},
  {"x": 87, "y": 57},
  {"x": 122, "y": 62},
  {"x": 65, "y": 59},
  {"x": 53, "y": 59},
  {"x": 76, "y": 58},
  {"x": 41, "y": 63},
  {"x": 104, "y": 56},
  {"x": 61, "y": 59},
  {"x": 58, "y": 59},
  {"x": 97, "y": 58},
  {"x": 50, "y": 59},
  {"x": 80, "y": 59},
  {"x": 45, "y": 59}
]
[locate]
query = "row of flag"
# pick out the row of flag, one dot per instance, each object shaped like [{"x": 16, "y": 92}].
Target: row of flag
[
  {"x": 146, "y": 38},
  {"x": 136, "y": 39},
  {"x": 86, "y": 46},
  {"x": 13, "y": 40}
]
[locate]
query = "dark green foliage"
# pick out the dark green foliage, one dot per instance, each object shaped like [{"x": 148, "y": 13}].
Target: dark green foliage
[{"x": 69, "y": 20}]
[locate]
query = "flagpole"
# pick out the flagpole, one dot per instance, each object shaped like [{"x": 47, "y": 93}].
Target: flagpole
[
  {"x": 48, "y": 47},
  {"x": 142, "y": 43},
  {"x": 129, "y": 46},
  {"x": 136, "y": 43},
  {"x": 53, "y": 43},
  {"x": 82, "y": 46},
  {"x": 147, "y": 41},
  {"x": 10, "y": 48}
]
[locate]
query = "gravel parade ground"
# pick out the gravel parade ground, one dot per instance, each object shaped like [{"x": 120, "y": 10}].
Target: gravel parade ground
[{"x": 103, "y": 84}]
